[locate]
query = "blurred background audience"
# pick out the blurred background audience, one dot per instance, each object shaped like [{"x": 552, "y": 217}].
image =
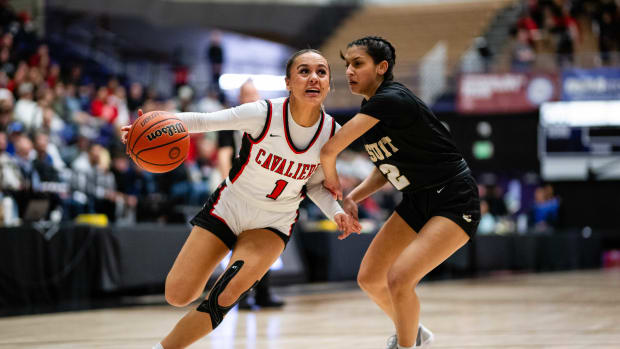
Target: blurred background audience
[{"x": 60, "y": 117}]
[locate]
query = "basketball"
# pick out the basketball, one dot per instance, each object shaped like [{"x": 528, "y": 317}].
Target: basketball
[{"x": 158, "y": 142}]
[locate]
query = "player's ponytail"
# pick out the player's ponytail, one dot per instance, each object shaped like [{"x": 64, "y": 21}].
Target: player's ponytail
[{"x": 380, "y": 50}]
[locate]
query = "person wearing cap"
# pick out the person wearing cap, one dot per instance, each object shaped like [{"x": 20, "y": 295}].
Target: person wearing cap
[{"x": 15, "y": 131}]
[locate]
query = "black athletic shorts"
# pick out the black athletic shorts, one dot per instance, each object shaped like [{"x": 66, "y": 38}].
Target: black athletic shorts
[
  {"x": 208, "y": 219},
  {"x": 457, "y": 200}
]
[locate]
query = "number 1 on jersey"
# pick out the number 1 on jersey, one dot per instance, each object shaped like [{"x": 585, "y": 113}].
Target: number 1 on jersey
[
  {"x": 393, "y": 175},
  {"x": 280, "y": 185}
]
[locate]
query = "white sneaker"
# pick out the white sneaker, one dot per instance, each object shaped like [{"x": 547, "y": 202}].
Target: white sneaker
[
  {"x": 392, "y": 342},
  {"x": 425, "y": 337},
  {"x": 423, "y": 340}
]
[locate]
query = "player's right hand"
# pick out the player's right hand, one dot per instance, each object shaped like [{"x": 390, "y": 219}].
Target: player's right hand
[{"x": 125, "y": 131}]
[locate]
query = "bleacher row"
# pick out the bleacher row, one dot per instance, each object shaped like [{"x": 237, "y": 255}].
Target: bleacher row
[
  {"x": 558, "y": 34},
  {"x": 414, "y": 30}
]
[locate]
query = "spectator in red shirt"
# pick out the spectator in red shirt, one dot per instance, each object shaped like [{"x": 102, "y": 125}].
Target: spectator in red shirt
[{"x": 100, "y": 107}]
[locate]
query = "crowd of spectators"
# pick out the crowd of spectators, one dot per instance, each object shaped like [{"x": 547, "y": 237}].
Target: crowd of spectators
[
  {"x": 550, "y": 32},
  {"x": 60, "y": 138},
  {"x": 513, "y": 210},
  {"x": 60, "y": 143}
]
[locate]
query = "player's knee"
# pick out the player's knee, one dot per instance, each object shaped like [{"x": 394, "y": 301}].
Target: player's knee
[
  {"x": 369, "y": 282},
  {"x": 178, "y": 298},
  {"x": 399, "y": 283},
  {"x": 177, "y": 293},
  {"x": 222, "y": 297}
]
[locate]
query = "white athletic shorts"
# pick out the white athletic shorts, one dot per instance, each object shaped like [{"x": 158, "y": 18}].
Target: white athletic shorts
[{"x": 227, "y": 215}]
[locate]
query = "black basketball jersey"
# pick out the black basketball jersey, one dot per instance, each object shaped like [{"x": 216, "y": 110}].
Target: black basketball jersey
[{"x": 409, "y": 145}]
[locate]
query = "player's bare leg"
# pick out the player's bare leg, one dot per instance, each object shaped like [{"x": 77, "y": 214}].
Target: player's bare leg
[
  {"x": 436, "y": 241},
  {"x": 388, "y": 244},
  {"x": 257, "y": 250},
  {"x": 200, "y": 255}
]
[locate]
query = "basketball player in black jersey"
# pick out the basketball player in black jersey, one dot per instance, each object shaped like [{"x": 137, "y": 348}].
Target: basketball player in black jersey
[{"x": 413, "y": 151}]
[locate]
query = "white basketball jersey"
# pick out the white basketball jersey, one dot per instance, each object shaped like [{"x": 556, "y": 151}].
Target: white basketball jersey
[{"x": 270, "y": 171}]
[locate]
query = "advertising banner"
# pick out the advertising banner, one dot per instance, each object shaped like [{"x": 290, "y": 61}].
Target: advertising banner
[
  {"x": 505, "y": 93},
  {"x": 601, "y": 84}
]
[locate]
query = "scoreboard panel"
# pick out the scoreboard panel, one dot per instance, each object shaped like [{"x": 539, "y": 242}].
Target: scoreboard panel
[{"x": 579, "y": 140}]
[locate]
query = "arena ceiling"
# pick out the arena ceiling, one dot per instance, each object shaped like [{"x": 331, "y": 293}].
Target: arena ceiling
[{"x": 295, "y": 23}]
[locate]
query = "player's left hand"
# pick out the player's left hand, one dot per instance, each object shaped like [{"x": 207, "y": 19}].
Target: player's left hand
[
  {"x": 347, "y": 225},
  {"x": 350, "y": 207}
]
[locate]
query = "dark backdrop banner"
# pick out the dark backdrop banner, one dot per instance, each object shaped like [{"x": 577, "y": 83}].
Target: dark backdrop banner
[
  {"x": 67, "y": 266},
  {"x": 47, "y": 268}
]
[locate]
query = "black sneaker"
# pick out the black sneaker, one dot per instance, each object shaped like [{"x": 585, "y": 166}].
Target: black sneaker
[
  {"x": 246, "y": 303},
  {"x": 270, "y": 302}
]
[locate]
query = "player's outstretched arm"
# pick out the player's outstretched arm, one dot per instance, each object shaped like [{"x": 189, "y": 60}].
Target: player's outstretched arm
[
  {"x": 249, "y": 117},
  {"x": 329, "y": 206},
  {"x": 351, "y": 131},
  {"x": 375, "y": 181},
  {"x": 371, "y": 184}
]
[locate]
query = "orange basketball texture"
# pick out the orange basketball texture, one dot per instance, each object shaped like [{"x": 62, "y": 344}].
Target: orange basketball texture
[{"x": 158, "y": 142}]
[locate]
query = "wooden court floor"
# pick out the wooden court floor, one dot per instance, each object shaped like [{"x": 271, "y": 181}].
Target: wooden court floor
[{"x": 556, "y": 310}]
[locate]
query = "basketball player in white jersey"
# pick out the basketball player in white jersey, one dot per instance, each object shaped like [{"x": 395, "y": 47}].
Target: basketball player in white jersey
[
  {"x": 228, "y": 144},
  {"x": 253, "y": 212}
]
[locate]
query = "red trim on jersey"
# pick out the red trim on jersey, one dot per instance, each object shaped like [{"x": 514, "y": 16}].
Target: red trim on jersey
[
  {"x": 219, "y": 194},
  {"x": 287, "y": 133},
  {"x": 252, "y": 141},
  {"x": 333, "y": 128},
  {"x": 247, "y": 159},
  {"x": 290, "y": 230},
  {"x": 266, "y": 127}
]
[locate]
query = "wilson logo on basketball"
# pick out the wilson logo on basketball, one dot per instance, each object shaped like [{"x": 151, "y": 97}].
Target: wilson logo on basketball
[{"x": 169, "y": 130}]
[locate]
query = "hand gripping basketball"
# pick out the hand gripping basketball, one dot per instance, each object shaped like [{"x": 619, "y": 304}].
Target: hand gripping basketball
[{"x": 157, "y": 141}]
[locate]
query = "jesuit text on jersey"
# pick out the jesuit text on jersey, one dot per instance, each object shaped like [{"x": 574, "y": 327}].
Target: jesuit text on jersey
[{"x": 379, "y": 150}]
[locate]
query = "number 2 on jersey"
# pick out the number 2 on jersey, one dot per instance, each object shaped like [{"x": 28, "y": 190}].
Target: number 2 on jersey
[
  {"x": 393, "y": 175},
  {"x": 280, "y": 185}
]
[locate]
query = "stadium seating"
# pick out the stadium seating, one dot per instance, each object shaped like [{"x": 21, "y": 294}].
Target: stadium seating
[{"x": 414, "y": 30}]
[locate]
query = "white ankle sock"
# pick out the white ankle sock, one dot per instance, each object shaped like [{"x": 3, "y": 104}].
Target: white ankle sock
[
  {"x": 401, "y": 347},
  {"x": 158, "y": 346}
]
